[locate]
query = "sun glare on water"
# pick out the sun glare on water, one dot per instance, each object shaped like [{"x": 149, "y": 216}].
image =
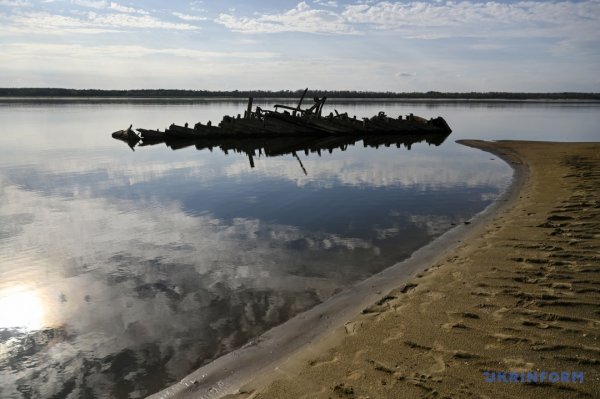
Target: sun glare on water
[{"x": 21, "y": 307}]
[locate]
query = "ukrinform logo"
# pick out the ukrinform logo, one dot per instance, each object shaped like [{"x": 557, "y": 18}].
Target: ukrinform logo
[{"x": 533, "y": 377}]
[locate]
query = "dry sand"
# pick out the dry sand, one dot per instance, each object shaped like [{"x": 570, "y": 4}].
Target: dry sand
[{"x": 522, "y": 294}]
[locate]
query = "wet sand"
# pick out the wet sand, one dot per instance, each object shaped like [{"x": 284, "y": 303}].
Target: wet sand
[{"x": 518, "y": 289}]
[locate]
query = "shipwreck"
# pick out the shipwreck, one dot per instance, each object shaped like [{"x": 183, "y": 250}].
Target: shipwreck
[{"x": 287, "y": 129}]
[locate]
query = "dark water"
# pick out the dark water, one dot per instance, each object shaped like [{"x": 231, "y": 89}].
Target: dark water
[{"x": 121, "y": 271}]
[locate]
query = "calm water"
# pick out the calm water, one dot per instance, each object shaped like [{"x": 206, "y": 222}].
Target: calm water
[{"x": 121, "y": 271}]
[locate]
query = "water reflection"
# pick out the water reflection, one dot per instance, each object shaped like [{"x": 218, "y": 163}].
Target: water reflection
[
  {"x": 132, "y": 269},
  {"x": 274, "y": 147},
  {"x": 21, "y": 307}
]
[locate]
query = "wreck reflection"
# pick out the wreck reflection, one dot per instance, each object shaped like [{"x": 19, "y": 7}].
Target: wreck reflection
[{"x": 280, "y": 146}]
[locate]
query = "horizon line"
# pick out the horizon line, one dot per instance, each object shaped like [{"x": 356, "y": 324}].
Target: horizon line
[{"x": 70, "y": 92}]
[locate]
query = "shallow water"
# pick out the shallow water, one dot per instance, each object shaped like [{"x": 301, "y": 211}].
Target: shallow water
[{"x": 121, "y": 271}]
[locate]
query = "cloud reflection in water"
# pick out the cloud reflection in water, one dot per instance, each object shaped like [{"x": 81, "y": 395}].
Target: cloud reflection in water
[{"x": 149, "y": 264}]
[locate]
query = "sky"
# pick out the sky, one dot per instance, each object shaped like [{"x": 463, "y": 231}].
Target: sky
[{"x": 400, "y": 46}]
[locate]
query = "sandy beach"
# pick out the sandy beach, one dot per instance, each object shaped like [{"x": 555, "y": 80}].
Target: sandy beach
[{"x": 520, "y": 294}]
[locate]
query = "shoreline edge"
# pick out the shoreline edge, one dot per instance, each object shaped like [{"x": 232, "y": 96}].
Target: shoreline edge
[{"x": 260, "y": 361}]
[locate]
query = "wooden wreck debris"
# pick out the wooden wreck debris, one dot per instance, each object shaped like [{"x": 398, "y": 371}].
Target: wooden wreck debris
[{"x": 128, "y": 136}]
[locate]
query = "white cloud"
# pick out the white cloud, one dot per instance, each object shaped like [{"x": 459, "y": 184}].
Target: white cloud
[
  {"x": 90, "y": 23},
  {"x": 327, "y": 3},
  {"x": 135, "y": 21},
  {"x": 301, "y": 18},
  {"x": 427, "y": 20},
  {"x": 530, "y": 46},
  {"x": 14, "y": 3},
  {"x": 120, "y": 71},
  {"x": 125, "y": 9},
  {"x": 188, "y": 17},
  {"x": 106, "y": 63},
  {"x": 468, "y": 18},
  {"x": 197, "y": 5},
  {"x": 97, "y": 4},
  {"x": 107, "y": 5},
  {"x": 43, "y": 22},
  {"x": 26, "y": 50}
]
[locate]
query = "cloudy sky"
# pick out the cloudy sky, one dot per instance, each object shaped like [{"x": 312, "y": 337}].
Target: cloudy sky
[{"x": 466, "y": 45}]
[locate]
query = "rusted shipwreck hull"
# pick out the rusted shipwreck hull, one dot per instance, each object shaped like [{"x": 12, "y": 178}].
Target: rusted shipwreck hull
[{"x": 286, "y": 121}]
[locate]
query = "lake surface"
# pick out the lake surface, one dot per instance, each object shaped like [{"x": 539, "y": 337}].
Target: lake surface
[{"x": 121, "y": 271}]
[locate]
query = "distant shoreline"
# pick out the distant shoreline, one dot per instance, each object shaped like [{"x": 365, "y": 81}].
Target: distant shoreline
[
  {"x": 333, "y": 100},
  {"x": 168, "y": 94}
]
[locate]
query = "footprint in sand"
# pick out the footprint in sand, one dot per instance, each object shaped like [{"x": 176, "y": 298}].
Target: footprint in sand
[
  {"x": 500, "y": 313},
  {"x": 455, "y": 326},
  {"x": 359, "y": 356},
  {"x": 392, "y": 338},
  {"x": 518, "y": 364},
  {"x": 434, "y": 296},
  {"x": 352, "y": 327},
  {"x": 323, "y": 362},
  {"x": 356, "y": 375},
  {"x": 511, "y": 339},
  {"x": 439, "y": 366}
]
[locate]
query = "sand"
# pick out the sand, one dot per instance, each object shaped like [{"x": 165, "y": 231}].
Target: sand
[{"x": 516, "y": 290}]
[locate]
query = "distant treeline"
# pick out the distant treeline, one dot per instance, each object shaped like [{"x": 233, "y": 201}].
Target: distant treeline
[{"x": 169, "y": 93}]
